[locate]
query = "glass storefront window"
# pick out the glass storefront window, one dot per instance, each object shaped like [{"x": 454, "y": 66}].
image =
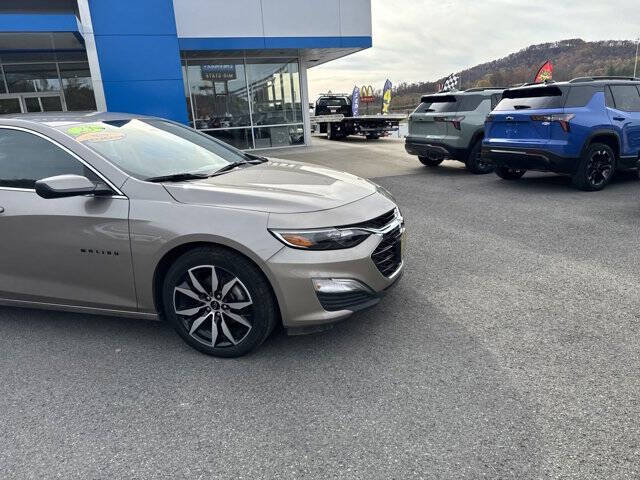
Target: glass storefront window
[
  {"x": 77, "y": 86},
  {"x": 36, "y": 77},
  {"x": 279, "y": 136},
  {"x": 238, "y": 137},
  {"x": 274, "y": 88},
  {"x": 262, "y": 94},
  {"x": 44, "y": 87},
  {"x": 219, "y": 93}
]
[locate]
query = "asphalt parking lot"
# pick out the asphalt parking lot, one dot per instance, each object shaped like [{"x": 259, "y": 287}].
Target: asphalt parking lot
[{"x": 510, "y": 349}]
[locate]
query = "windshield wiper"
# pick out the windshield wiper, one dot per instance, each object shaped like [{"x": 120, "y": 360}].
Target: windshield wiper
[
  {"x": 521, "y": 107},
  {"x": 228, "y": 167},
  {"x": 177, "y": 177},
  {"x": 255, "y": 158}
]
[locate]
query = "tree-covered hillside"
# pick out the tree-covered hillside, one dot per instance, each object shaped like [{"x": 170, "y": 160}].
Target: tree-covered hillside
[{"x": 571, "y": 58}]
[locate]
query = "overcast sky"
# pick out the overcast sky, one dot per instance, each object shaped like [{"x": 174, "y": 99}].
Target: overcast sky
[{"x": 422, "y": 40}]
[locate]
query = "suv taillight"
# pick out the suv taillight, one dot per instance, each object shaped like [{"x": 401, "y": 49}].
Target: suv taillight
[
  {"x": 455, "y": 121},
  {"x": 562, "y": 119}
]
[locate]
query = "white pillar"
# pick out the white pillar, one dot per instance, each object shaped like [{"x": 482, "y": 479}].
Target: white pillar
[
  {"x": 304, "y": 98},
  {"x": 86, "y": 30}
]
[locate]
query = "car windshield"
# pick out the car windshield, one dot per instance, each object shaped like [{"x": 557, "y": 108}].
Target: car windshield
[{"x": 149, "y": 148}]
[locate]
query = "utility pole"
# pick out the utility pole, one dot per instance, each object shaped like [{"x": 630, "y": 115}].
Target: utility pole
[{"x": 635, "y": 67}]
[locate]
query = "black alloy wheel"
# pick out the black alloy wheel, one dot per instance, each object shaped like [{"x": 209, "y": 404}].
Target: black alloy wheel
[{"x": 596, "y": 168}]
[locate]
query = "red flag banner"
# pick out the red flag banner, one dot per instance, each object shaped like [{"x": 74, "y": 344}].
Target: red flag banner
[{"x": 545, "y": 73}]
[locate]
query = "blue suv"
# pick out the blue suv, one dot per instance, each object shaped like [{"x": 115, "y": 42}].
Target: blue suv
[{"x": 588, "y": 128}]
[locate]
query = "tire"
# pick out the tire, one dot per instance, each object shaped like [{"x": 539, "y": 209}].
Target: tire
[
  {"x": 430, "y": 162},
  {"x": 242, "y": 303},
  {"x": 596, "y": 168},
  {"x": 474, "y": 162},
  {"x": 510, "y": 173},
  {"x": 373, "y": 137},
  {"x": 332, "y": 134}
]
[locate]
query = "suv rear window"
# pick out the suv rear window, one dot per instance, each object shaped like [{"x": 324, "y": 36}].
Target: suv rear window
[
  {"x": 532, "y": 98},
  {"x": 332, "y": 102},
  {"x": 438, "y": 103}
]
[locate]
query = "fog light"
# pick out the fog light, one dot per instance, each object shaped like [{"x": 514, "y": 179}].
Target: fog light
[{"x": 339, "y": 285}]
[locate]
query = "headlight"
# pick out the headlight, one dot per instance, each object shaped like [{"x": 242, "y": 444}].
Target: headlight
[{"x": 321, "y": 239}]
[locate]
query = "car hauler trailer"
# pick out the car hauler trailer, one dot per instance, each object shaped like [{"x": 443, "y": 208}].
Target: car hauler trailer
[{"x": 334, "y": 116}]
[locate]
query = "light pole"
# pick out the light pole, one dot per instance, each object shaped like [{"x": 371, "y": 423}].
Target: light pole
[{"x": 635, "y": 66}]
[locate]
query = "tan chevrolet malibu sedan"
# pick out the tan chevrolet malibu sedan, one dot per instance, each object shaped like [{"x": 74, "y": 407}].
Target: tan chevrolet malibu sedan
[{"x": 136, "y": 216}]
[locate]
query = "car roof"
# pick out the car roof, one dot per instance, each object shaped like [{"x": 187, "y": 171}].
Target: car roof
[
  {"x": 472, "y": 91},
  {"x": 58, "y": 119},
  {"x": 582, "y": 81}
]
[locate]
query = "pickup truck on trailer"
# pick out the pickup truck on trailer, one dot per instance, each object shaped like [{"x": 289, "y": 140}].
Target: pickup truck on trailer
[{"x": 334, "y": 116}]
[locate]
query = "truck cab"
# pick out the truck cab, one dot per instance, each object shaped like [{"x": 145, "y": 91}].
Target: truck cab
[{"x": 334, "y": 104}]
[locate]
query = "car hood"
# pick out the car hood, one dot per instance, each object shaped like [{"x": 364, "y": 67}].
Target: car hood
[{"x": 278, "y": 186}]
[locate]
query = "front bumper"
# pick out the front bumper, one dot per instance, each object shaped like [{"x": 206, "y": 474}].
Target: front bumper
[
  {"x": 529, "y": 159},
  {"x": 294, "y": 272},
  {"x": 425, "y": 148}
]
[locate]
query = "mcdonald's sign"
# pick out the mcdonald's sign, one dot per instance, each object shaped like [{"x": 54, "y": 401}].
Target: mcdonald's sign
[{"x": 366, "y": 94}]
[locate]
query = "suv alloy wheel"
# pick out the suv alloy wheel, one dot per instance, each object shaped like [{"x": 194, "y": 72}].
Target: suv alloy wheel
[
  {"x": 596, "y": 168},
  {"x": 475, "y": 163}
]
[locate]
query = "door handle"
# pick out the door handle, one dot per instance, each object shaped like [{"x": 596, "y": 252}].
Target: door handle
[
  {"x": 619, "y": 119},
  {"x": 1, "y": 209}
]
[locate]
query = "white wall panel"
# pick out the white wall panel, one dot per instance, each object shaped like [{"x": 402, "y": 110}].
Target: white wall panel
[
  {"x": 355, "y": 17},
  {"x": 272, "y": 18},
  {"x": 218, "y": 18},
  {"x": 296, "y": 18}
]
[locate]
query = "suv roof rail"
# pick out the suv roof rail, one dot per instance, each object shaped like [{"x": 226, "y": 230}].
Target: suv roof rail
[
  {"x": 481, "y": 89},
  {"x": 603, "y": 77},
  {"x": 334, "y": 95},
  {"x": 530, "y": 84}
]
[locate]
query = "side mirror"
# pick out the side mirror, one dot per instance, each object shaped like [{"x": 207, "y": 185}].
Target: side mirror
[{"x": 62, "y": 186}]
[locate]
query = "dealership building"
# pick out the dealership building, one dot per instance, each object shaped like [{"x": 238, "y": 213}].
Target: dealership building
[{"x": 236, "y": 70}]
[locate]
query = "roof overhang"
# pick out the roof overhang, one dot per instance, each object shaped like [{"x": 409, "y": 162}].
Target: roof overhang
[{"x": 311, "y": 50}]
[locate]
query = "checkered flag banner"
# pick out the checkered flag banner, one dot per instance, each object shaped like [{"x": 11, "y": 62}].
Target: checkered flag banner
[{"x": 451, "y": 83}]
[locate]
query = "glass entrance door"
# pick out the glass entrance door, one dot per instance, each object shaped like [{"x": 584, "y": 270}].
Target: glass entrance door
[
  {"x": 10, "y": 105},
  {"x": 42, "y": 103},
  {"x": 31, "y": 103}
]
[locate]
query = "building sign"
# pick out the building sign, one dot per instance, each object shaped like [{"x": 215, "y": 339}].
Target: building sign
[{"x": 218, "y": 72}]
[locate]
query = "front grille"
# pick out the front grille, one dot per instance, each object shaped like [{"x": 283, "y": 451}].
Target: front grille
[
  {"x": 388, "y": 255},
  {"x": 333, "y": 302},
  {"x": 376, "y": 223}
]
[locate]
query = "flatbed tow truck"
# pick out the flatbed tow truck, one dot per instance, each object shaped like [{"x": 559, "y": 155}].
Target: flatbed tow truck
[{"x": 334, "y": 116}]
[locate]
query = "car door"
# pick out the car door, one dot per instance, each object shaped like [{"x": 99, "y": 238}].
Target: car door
[
  {"x": 625, "y": 116},
  {"x": 69, "y": 251}
]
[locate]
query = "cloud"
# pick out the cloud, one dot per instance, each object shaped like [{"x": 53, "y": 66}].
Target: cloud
[{"x": 422, "y": 40}]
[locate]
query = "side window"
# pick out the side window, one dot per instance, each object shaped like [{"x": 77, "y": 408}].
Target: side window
[
  {"x": 25, "y": 158},
  {"x": 422, "y": 108},
  {"x": 608, "y": 98},
  {"x": 579, "y": 96},
  {"x": 627, "y": 97}
]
